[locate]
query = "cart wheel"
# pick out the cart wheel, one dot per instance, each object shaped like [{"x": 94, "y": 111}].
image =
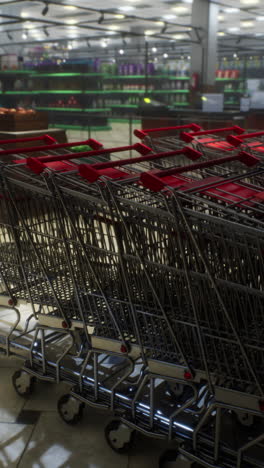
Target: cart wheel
[
  {"x": 168, "y": 459},
  {"x": 179, "y": 392},
  {"x": 119, "y": 436},
  {"x": 23, "y": 383},
  {"x": 70, "y": 409},
  {"x": 247, "y": 420},
  {"x": 175, "y": 389}
]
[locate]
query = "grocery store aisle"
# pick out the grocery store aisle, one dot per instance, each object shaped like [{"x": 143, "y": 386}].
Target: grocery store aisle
[{"x": 118, "y": 136}]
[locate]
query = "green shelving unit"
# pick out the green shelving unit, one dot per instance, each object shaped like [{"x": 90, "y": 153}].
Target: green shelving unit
[
  {"x": 82, "y": 127},
  {"x": 73, "y": 109},
  {"x": 94, "y": 101},
  {"x": 64, "y": 75},
  {"x": 124, "y": 120},
  {"x": 229, "y": 79},
  {"x": 17, "y": 72},
  {"x": 116, "y": 91},
  {"x": 49, "y": 91},
  {"x": 169, "y": 91},
  {"x": 150, "y": 77},
  {"x": 180, "y": 104},
  {"x": 132, "y": 106}
]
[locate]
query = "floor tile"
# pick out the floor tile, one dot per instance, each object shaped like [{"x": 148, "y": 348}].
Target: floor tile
[
  {"x": 11, "y": 362},
  {"x": 10, "y": 403},
  {"x": 146, "y": 452},
  {"x": 28, "y": 417},
  {"x": 45, "y": 396},
  {"x": 55, "y": 445},
  {"x": 13, "y": 440}
]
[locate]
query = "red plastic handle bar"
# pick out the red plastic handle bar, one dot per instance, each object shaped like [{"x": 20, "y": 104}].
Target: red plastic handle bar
[
  {"x": 143, "y": 133},
  {"x": 152, "y": 180},
  {"x": 236, "y": 141},
  {"x": 91, "y": 172},
  {"x": 188, "y": 137},
  {"x": 37, "y": 165},
  {"x": 46, "y": 138},
  {"x": 91, "y": 142}
]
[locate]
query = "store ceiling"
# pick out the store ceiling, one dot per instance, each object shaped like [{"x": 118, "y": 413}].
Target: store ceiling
[{"x": 25, "y": 22}]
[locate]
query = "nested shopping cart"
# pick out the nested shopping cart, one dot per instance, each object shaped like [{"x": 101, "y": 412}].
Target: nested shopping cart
[
  {"x": 159, "y": 291},
  {"x": 214, "y": 143},
  {"x": 38, "y": 146},
  {"x": 251, "y": 142},
  {"x": 43, "y": 144},
  {"x": 163, "y": 139}
]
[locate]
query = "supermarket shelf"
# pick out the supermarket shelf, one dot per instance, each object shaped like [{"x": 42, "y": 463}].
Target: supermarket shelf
[
  {"x": 16, "y": 93},
  {"x": 80, "y": 127},
  {"x": 180, "y": 104},
  {"x": 113, "y": 91},
  {"x": 73, "y": 109},
  {"x": 150, "y": 77},
  {"x": 138, "y": 91},
  {"x": 62, "y": 75},
  {"x": 233, "y": 91},
  {"x": 170, "y": 91},
  {"x": 36, "y": 74},
  {"x": 116, "y": 91},
  {"x": 125, "y": 120},
  {"x": 57, "y": 91},
  {"x": 229, "y": 79},
  {"x": 16, "y": 72},
  {"x": 132, "y": 106}
]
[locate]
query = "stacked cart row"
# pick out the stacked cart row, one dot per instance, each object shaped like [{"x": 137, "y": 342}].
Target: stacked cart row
[{"x": 143, "y": 279}]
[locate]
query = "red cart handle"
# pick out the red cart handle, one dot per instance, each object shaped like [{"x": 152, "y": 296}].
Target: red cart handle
[
  {"x": 152, "y": 180},
  {"x": 91, "y": 142},
  {"x": 46, "y": 138},
  {"x": 37, "y": 165},
  {"x": 91, "y": 172},
  {"x": 236, "y": 141},
  {"x": 188, "y": 137},
  {"x": 143, "y": 133}
]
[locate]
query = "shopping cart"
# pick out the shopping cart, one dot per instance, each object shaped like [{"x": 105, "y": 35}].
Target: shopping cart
[
  {"x": 164, "y": 138},
  {"x": 161, "y": 295},
  {"x": 251, "y": 142},
  {"x": 17, "y": 155},
  {"x": 158, "y": 140},
  {"x": 48, "y": 144}
]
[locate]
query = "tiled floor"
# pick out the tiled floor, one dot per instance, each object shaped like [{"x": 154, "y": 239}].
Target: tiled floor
[
  {"x": 32, "y": 435},
  {"x": 118, "y": 136}
]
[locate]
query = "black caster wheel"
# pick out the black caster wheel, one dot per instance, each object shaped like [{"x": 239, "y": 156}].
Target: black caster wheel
[
  {"x": 23, "y": 383},
  {"x": 179, "y": 392},
  {"x": 175, "y": 389},
  {"x": 245, "y": 419},
  {"x": 119, "y": 437},
  {"x": 70, "y": 409}
]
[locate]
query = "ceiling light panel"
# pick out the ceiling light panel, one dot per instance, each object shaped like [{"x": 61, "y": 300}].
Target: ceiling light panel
[{"x": 249, "y": 2}]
